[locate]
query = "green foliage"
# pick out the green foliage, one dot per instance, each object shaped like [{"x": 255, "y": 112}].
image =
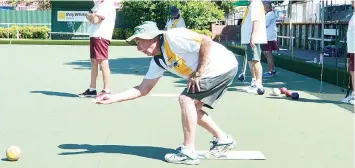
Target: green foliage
[
  {"x": 122, "y": 33},
  {"x": 137, "y": 11},
  {"x": 25, "y": 32},
  {"x": 118, "y": 33},
  {"x": 227, "y": 5},
  {"x": 44, "y": 5},
  {"x": 128, "y": 33},
  {"x": 3, "y": 32},
  {"x": 205, "y": 32},
  {"x": 197, "y": 14},
  {"x": 41, "y": 32}
]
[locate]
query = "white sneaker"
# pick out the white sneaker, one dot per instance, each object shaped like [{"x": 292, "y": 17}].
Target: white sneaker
[
  {"x": 251, "y": 86},
  {"x": 246, "y": 89},
  {"x": 253, "y": 90},
  {"x": 348, "y": 99},
  {"x": 218, "y": 148},
  {"x": 183, "y": 155}
]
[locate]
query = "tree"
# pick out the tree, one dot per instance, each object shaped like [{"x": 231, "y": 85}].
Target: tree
[
  {"x": 197, "y": 14},
  {"x": 15, "y": 2},
  {"x": 226, "y": 5},
  {"x": 44, "y": 5}
]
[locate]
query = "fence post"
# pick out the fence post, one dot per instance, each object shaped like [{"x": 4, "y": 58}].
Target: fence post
[
  {"x": 8, "y": 31},
  {"x": 17, "y": 33}
]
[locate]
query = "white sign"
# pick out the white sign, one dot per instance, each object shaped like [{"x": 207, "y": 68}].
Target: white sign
[{"x": 72, "y": 16}]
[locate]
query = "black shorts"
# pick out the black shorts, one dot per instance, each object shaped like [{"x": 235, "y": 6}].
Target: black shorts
[{"x": 211, "y": 89}]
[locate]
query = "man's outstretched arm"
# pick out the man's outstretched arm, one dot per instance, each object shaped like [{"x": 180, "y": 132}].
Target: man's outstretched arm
[{"x": 138, "y": 91}]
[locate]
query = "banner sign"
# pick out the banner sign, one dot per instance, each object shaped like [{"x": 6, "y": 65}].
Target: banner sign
[{"x": 72, "y": 16}]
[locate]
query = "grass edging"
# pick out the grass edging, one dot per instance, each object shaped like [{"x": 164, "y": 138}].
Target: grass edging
[
  {"x": 58, "y": 42},
  {"x": 332, "y": 75}
]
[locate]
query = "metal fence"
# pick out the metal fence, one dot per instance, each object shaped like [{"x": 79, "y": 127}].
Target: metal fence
[
  {"x": 25, "y": 17},
  {"x": 11, "y": 20}
]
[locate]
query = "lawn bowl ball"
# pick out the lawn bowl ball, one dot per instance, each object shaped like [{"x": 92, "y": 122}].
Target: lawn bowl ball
[
  {"x": 276, "y": 91},
  {"x": 288, "y": 93},
  {"x": 261, "y": 91},
  {"x": 283, "y": 90},
  {"x": 13, "y": 153},
  {"x": 295, "y": 95}
]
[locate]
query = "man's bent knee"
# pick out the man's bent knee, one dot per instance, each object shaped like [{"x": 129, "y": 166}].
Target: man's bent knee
[
  {"x": 183, "y": 100},
  {"x": 199, "y": 105}
]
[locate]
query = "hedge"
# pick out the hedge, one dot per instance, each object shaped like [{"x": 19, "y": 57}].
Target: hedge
[
  {"x": 122, "y": 33},
  {"x": 25, "y": 32},
  {"x": 301, "y": 67}
]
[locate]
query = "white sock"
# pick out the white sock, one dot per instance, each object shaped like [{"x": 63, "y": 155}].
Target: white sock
[
  {"x": 253, "y": 82},
  {"x": 92, "y": 89},
  {"x": 224, "y": 139},
  {"x": 258, "y": 85},
  {"x": 187, "y": 149}
]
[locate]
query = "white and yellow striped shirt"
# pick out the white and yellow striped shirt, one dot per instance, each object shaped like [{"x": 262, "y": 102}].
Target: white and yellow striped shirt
[{"x": 181, "y": 53}]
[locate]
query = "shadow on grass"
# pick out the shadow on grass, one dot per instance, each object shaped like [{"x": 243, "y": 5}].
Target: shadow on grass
[
  {"x": 53, "y": 93},
  {"x": 131, "y": 66},
  {"x": 150, "y": 152}
]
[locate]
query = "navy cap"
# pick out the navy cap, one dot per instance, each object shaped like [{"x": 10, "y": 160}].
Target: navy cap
[{"x": 174, "y": 10}]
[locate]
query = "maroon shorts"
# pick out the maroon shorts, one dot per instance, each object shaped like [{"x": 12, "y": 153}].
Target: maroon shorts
[
  {"x": 270, "y": 46},
  {"x": 99, "y": 48},
  {"x": 351, "y": 61}
]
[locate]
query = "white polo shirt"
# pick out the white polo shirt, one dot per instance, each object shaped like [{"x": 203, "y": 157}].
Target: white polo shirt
[
  {"x": 350, "y": 35},
  {"x": 174, "y": 23},
  {"x": 254, "y": 12},
  {"x": 107, "y": 11},
  {"x": 271, "y": 28},
  {"x": 181, "y": 53}
]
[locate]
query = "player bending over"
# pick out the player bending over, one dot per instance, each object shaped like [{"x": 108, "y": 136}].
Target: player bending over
[{"x": 209, "y": 68}]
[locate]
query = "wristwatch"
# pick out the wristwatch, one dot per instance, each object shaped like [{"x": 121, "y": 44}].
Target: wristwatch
[{"x": 197, "y": 74}]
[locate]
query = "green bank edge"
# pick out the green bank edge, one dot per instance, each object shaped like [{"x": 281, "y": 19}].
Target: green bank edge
[{"x": 332, "y": 75}]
